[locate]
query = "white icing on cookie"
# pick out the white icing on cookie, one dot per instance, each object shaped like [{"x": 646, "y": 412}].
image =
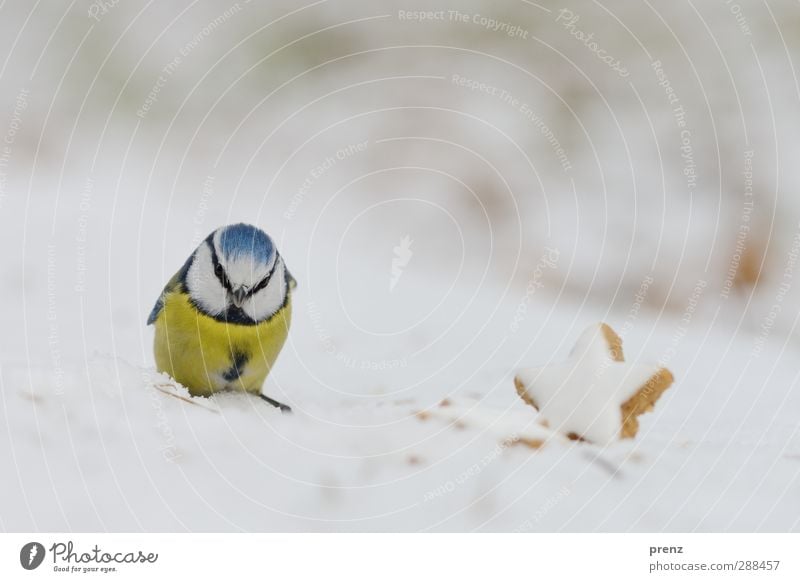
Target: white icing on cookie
[{"x": 585, "y": 394}]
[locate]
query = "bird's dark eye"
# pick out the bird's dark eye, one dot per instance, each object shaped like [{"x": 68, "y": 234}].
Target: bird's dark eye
[{"x": 218, "y": 270}]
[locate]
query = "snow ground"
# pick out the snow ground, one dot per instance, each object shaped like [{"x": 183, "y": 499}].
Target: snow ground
[{"x": 97, "y": 448}]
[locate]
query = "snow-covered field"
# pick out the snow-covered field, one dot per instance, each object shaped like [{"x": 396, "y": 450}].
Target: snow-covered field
[
  {"x": 91, "y": 444},
  {"x": 439, "y": 245},
  {"x": 722, "y": 452}
]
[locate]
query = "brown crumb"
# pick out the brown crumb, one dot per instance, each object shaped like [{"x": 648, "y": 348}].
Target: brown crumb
[
  {"x": 32, "y": 397},
  {"x": 422, "y": 415},
  {"x": 444, "y": 403},
  {"x": 636, "y": 457},
  {"x": 749, "y": 271},
  {"x": 414, "y": 460},
  {"x": 534, "y": 444}
]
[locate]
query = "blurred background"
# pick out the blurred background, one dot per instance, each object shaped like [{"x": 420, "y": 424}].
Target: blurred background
[
  {"x": 638, "y": 142},
  {"x": 458, "y": 190}
]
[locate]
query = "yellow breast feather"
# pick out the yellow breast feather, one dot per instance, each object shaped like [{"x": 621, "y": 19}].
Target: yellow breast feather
[{"x": 207, "y": 355}]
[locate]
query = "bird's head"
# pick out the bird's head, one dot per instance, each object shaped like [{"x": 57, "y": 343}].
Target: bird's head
[{"x": 237, "y": 275}]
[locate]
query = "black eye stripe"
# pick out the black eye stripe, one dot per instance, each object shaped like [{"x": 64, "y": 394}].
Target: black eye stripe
[
  {"x": 219, "y": 272},
  {"x": 265, "y": 281}
]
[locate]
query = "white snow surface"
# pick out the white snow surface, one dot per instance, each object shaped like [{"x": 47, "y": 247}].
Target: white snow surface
[{"x": 89, "y": 444}]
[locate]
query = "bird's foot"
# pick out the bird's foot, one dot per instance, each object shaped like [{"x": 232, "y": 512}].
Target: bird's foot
[{"x": 279, "y": 405}]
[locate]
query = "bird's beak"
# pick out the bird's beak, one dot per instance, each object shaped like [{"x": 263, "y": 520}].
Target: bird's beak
[{"x": 239, "y": 296}]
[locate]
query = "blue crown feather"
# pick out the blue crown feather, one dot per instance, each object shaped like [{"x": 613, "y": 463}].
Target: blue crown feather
[{"x": 243, "y": 239}]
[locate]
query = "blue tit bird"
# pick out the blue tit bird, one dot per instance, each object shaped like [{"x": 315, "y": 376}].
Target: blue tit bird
[{"x": 223, "y": 318}]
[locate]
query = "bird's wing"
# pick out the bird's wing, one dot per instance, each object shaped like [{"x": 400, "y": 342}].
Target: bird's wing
[{"x": 172, "y": 285}]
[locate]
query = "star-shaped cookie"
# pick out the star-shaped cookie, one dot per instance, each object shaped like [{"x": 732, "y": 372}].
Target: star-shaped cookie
[{"x": 595, "y": 395}]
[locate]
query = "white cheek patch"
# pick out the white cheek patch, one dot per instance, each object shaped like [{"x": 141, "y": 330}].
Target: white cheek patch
[
  {"x": 270, "y": 299},
  {"x": 204, "y": 287}
]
